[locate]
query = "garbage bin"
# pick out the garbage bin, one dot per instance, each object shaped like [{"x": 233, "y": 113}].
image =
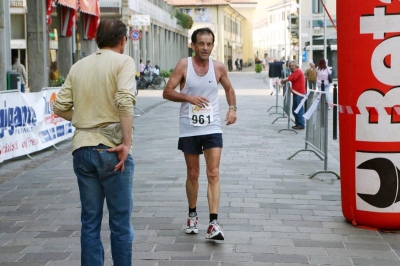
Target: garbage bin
[{"x": 13, "y": 80}]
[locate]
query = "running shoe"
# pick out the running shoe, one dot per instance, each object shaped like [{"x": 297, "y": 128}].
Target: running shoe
[
  {"x": 214, "y": 231},
  {"x": 192, "y": 221}
]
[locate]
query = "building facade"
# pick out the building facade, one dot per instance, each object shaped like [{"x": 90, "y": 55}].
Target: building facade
[
  {"x": 50, "y": 35},
  {"x": 228, "y": 21}
]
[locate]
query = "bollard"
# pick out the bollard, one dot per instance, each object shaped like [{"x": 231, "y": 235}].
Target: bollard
[
  {"x": 305, "y": 104},
  {"x": 335, "y": 114}
]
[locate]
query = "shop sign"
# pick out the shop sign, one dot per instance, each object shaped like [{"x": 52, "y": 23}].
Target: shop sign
[{"x": 18, "y": 44}]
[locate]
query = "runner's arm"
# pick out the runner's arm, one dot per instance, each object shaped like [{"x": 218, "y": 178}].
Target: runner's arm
[
  {"x": 176, "y": 77},
  {"x": 229, "y": 93},
  {"x": 63, "y": 105}
]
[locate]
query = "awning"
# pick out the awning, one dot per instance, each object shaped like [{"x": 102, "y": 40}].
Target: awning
[
  {"x": 90, "y": 7},
  {"x": 69, "y": 3},
  {"x": 321, "y": 47}
]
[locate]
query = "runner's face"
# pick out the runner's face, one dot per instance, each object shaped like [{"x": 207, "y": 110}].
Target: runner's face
[{"x": 203, "y": 46}]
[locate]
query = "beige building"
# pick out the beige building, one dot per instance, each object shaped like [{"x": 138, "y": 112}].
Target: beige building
[{"x": 229, "y": 22}]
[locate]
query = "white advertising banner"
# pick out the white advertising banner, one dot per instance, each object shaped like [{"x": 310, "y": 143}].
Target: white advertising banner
[{"x": 28, "y": 124}]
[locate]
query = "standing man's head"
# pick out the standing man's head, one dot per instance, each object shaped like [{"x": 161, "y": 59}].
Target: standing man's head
[
  {"x": 141, "y": 61},
  {"x": 148, "y": 62},
  {"x": 312, "y": 65},
  {"x": 293, "y": 65},
  {"x": 202, "y": 42},
  {"x": 16, "y": 60},
  {"x": 111, "y": 34}
]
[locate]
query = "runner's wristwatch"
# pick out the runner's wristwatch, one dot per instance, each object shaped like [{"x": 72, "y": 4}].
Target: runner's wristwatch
[{"x": 233, "y": 107}]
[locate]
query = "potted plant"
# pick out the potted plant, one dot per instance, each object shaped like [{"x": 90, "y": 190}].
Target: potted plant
[{"x": 258, "y": 69}]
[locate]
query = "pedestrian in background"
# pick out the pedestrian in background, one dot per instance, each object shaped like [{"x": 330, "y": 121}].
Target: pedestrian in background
[
  {"x": 240, "y": 64},
  {"x": 274, "y": 73},
  {"x": 230, "y": 67},
  {"x": 237, "y": 64},
  {"x": 98, "y": 98},
  {"x": 298, "y": 90},
  {"x": 142, "y": 67},
  {"x": 263, "y": 62},
  {"x": 200, "y": 127},
  {"x": 323, "y": 73},
  {"x": 311, "y": 75},
  {"x": 20, "y": 69}
]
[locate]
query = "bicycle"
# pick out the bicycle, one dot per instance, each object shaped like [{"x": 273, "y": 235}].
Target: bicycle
[
  {"x": 141, "y": 82},
  {"x": 158, "y": 83}
]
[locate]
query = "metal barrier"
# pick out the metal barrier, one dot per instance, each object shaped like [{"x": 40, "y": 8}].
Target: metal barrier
[
  {"x": 276, "y": 101},
  {"x": 287, "y": 108},
  {"x": 335, "y": 111},
  {"x": 317, "y": 129}
]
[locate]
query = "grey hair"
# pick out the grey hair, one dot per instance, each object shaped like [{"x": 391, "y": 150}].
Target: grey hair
[{"x": 294, "y": 62}]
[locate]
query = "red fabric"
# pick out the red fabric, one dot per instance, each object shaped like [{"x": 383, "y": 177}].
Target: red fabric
[
  {"x": 298, "y": 81},
  {"x": 68, "y": 18},
  {"x": 90, "y": 7},
  {"x": 69, "y": 3},
  {"x": 90, "y": 24},
  {"x": 49, "y": 10}
]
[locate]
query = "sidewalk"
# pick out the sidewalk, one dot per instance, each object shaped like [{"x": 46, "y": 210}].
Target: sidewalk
[{"x": 271, "y": 212}]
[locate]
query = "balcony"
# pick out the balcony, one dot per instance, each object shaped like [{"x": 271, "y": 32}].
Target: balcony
[
  {"x": 18, "y": 3},
  {"x": 110, "y": 6}
]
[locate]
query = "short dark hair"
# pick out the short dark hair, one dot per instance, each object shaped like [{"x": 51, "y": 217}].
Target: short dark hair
[
  {"x": 110, "y": 32},
  {"x": 202, "y": 31}
]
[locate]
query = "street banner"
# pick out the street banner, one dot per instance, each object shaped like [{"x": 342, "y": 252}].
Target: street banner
[
  {"x": 369, "y": 119},
  {"x": 28, "y": 124}
]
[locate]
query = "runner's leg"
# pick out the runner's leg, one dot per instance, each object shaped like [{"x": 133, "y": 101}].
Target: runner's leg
[
  {"x": 213, "y": 157},
  {"x": 192, "y": 181}
]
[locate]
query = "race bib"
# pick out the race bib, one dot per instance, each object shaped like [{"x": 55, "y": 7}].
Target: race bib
[{"x": 201, "y": 117}]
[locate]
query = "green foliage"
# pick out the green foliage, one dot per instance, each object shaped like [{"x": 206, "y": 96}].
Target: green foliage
[
  {"x": 57, "y": 82},
  {"x": 258, "y": 68},
  {"x": 184, "y": 20},
  {"x": 171, "y": 70},
  {"x": 165, "y": 73}
]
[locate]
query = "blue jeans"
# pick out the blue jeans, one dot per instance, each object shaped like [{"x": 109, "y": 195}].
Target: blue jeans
[
  {"x": 23, "y": 88},
  {"x": 94, "y": 168},
  {"x": 298, "y": 118}
]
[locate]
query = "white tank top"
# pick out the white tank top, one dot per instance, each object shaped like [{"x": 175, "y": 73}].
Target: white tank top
[{"x": 207, "y": 87}]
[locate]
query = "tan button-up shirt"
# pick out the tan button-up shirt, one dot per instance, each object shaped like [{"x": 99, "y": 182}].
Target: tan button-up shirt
[{"x": 98, "y": 89}]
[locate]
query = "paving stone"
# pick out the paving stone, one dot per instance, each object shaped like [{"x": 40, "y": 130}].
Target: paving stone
[
  {"x": 375, "y": 262},
  {"x": 45, "y": 256},
  {"x": 280, "y": 258}
]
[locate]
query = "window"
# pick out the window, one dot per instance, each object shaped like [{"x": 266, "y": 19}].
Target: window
[{"x": 317, "y": 7}]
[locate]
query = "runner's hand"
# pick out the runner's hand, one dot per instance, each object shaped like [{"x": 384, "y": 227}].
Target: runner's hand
[
  {"x": 200, "y": 101},
  {"x": 230, "y": 117},
  {"x": 122, "y": 152}
]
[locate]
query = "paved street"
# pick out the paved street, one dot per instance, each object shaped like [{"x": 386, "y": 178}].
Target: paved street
[{"x": 271, "y": 212}]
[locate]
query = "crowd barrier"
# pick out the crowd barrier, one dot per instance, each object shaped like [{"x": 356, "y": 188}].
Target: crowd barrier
[
  {"x": 287, "y": 107},
  {"x": 316, "y": 140},
  {"x": 28, "y": 124}
]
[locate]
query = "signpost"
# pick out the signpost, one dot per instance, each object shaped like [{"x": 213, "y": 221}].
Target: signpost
[{"x": 135, "y": 35}]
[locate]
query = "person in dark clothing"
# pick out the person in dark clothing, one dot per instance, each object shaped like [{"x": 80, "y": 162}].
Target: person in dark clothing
[
  {"x": 230, "y": 67},
  {"x": 240, "y": 64},
  {"x": 274, "y": 74},
  {"x": 237, "y": 63}
]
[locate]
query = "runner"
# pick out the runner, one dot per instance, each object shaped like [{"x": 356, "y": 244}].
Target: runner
[{"x": 200, "y": 128}]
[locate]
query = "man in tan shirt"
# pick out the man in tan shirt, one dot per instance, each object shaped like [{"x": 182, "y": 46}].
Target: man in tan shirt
[
  {"x": 311, "y": 75},
  {"x": 98, "y": 97}
]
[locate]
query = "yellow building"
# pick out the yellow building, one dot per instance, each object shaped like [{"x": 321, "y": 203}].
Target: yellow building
[{"x": 229, "y": 22}]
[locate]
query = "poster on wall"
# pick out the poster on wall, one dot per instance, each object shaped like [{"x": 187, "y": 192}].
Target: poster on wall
[
  {"x": 28, "y": 124},
  {"x": 202, "y": 15}
]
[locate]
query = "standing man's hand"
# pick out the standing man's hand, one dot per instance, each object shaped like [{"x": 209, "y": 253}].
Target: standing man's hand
[
  {"x": 122, "y": 152},
  {"x": 230, "y": 117},
  {"x": 200, "y": 101}
]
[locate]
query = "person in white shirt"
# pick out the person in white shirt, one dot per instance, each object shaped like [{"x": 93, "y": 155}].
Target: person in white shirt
[
  {"x": 142, "y": 66},
  {"x": 156, "y": 70}
]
